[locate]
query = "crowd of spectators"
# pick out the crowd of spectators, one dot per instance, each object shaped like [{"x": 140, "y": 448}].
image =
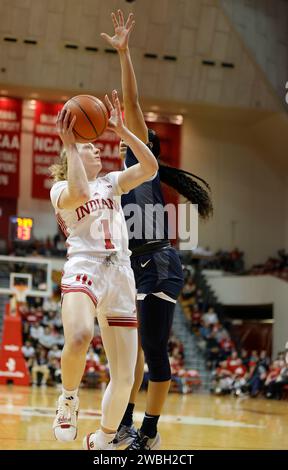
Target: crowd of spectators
[
  {"x": 212, "y": 337},
  {"x": 224, "y": 260},
  {"x": 251, "y": 374},
  {"x": 43, "y": 341},
  {"x": 49, "y": 247},
  {"x": 234, "y": 371},
  {"x": 232, "y": 261},
  {"x": 276, "y": 266},
  {"x": 183, "y": 380}
]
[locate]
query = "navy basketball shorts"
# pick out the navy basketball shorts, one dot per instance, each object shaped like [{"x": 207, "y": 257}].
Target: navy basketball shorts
[{"x": 160, "y": 271}]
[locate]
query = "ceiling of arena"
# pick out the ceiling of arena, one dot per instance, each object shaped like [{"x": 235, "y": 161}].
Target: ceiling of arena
[{"x": 199, "y": 57}]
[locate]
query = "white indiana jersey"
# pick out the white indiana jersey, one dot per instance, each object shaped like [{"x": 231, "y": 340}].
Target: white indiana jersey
[{"x": 98, "y": 226}]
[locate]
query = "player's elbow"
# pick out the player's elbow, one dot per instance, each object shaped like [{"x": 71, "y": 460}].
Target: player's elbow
[
  {"x": 153, "y": 167},
  {"x": 83, "y": 195},
  {"x": 150, "y": 172},
  {"x": 80, "y": 196}
]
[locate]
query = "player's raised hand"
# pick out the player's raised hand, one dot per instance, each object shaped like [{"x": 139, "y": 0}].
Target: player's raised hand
[
  {"x": 122, "y": 31},
  {"x": 65, "y": 126},
  {"x": 116, "y": 123}
]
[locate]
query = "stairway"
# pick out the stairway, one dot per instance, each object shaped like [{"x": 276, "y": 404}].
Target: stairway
[{"x": 193, "y": 358}]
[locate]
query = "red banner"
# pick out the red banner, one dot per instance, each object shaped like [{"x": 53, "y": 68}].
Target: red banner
[
  {"x": 108, "y": 144},
  {"x": 10, "y": 131},
  {"x": 46, "y": 147}
]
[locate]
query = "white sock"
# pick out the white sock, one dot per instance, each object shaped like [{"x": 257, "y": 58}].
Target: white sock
[
  {"x": 69, "y": 394},
  {"x": 104, "y": 438}
]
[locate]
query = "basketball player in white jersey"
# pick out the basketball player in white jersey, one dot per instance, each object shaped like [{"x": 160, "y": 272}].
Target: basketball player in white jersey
[{"x": 98, "y": 280}]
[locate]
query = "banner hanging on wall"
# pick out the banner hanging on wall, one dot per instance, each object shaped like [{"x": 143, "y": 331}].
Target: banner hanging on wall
[
  {"x": 10, "y": 132},
  {"x": 46, "y": 147},
  {"x": 108, "y": 143}
]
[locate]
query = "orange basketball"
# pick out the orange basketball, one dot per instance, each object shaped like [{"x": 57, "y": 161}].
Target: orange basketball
[{"x": 91, "y": 117}]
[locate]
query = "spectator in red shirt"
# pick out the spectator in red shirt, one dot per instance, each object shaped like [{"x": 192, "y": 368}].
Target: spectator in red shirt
[
  {"x": 273, "y": 374},
  {"x": 223, "y": 380},
  {"x": 97, "y": 344},
  {"x": 233, "y": 362},
  {"x": 93, "y": 369},
  {"x": 226, "y": 346},
  {"x": 254, "y": 358}
]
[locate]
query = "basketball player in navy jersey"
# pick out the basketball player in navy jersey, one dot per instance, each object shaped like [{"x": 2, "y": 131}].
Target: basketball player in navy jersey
[{"x": 156, "y": 265}]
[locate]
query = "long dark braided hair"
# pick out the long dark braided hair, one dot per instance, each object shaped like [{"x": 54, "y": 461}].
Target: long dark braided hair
[{"x": 184, "y": 182}]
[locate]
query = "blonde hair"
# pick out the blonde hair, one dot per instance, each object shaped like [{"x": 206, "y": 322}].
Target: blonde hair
[{"x": 59, "y": 170}]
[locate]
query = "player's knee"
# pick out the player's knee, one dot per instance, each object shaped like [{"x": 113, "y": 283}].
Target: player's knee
[
  {"x": 121, "y": 386},
  {"x": 124, "y": 382},
  {"x": 159, "y": 368},
  {"x": 79, "y": 340},
  {"x": 128, "y": 379},
  {"x": 158, "y": 362}
]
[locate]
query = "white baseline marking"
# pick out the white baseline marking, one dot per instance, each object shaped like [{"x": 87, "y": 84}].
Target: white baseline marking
[{"x": 94, "y": 414}]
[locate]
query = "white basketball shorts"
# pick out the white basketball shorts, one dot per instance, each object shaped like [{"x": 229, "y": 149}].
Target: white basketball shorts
[{"x": 109, "y": 284}]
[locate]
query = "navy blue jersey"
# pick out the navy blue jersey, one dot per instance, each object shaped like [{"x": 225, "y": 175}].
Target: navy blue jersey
[
  {"x": 156, "y": 266},
  {"x": 148, "y": 224}
]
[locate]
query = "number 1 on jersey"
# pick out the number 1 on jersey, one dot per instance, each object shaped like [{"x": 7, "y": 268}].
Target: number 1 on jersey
[{"x": 108, "y": 244}]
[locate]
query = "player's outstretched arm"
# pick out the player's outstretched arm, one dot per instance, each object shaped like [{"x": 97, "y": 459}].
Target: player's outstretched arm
[
  {"x": 120, "y": 41},
  {"x": 147, "y": 166}
]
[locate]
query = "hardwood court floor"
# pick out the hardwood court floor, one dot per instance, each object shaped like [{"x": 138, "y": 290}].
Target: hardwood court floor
[{"x": 189, "y": 422}]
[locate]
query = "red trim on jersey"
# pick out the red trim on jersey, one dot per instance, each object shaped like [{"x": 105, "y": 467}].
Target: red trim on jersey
[
  {"x": 115, "y": 323},
  {"x": 62, "y": 224},
  {"x": 62, "y": 227},
  {"x": 122, "y": 321},
  {"x": 122, "y": 318},
  {"x": 85, "y": 290}
]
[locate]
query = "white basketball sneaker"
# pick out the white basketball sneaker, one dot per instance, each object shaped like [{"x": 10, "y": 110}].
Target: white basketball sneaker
[
  {"x": 65, "y": 423},
  {"x": 94, "y": 441}
]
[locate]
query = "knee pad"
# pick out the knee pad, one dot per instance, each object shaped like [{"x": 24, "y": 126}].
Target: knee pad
[
  {"x": 157, "y": 360},
  {"x": 156, "y": 317}
]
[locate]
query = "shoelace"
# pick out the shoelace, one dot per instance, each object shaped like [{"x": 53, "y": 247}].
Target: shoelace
[
  {"x": 65, "y": 410},
  {"x": 139, "y": 442},
  {"x": 128, "y": 430},
  {"x": 132, "y": 432}
]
